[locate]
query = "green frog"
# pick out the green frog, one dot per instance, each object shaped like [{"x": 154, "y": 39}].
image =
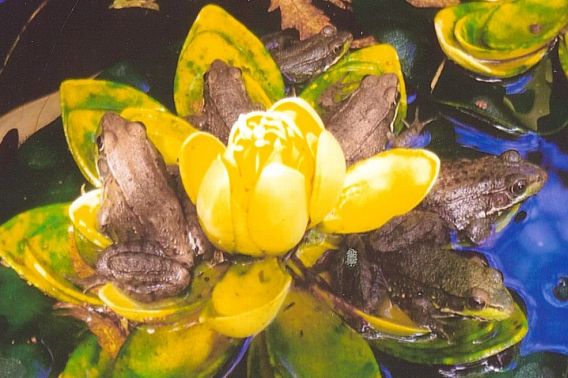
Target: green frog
[
  {"x": 151, "y": 256},
  {"x": 469, "y": 194},
  {"x": 427, "y": 281},
  {"x": 299, "y": 61}
]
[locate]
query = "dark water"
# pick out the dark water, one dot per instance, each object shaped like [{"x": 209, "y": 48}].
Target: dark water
[{"x": 532, "y": 251}]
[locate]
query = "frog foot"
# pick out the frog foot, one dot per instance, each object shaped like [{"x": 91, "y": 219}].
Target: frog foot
[{"x": 413, "y": 130}]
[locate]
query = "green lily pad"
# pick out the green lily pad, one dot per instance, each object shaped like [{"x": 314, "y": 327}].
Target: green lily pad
[
  {"x": 179, "y": 350},
  {"x": 563, "y": 53},
  {"x": 307, "y": 339},
  {"x": 36, "y": 245},
  {"x": 25, "y": 361},
  {"x": 83, "y": 103},
  {"x": 470, "y": 341},
  {"x": 524, "y": 23},
  {"x": 215, "y": 34},
  {"x": 87, "y": 360},
  {"x": 344, "y": 77}
]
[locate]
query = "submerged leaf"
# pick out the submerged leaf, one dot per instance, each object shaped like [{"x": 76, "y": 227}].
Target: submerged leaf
[
  {"x": 87, "y": 360},
  {"x": 308, "y": 340},
  {"x": 301, "y": 15},
  {"x": 36, "y": 245},
  {"x": 179, "y": 350}
]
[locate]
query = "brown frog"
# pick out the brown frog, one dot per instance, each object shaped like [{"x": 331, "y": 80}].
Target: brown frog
[
  {"x": 141, "y": 213},
  {"x": 362, "y": 122},
  {"x": 225, "y": 98},
  {"x": 299, "y": 61}
]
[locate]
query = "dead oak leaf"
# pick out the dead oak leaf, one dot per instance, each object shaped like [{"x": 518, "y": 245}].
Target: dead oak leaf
[{"x": 301, "y": 15}]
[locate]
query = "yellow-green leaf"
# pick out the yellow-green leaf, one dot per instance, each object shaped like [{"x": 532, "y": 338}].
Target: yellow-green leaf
[
  {"x": 347, "y": 74},
  {"x": 165, "y": 130},
  {"x": 307, "y": 339},
  {"x": 177, "y": 350},
  {"x": 445, "y": 23},
  {"x": 83, "y": 103},
  {"x": 36, "y": 245},
  {"x": 524, "y": 23},
  {"x": 87, "y": 360},
  {"x": 215, "y": 34}
]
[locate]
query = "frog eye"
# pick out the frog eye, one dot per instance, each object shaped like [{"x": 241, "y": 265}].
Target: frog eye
[
  {"x": 511, "y": 156},
  {"x": 336, "y": 48},
  {"x": 518, "y": 187},
  {"x": 328, "y": 30},
  {"x": 477, "y": 299}
]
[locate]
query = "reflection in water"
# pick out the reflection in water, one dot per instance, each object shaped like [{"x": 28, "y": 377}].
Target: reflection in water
[{"x": 532, "y": 251}]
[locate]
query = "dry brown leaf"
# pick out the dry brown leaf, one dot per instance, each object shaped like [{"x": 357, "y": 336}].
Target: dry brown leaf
[
  {"x": 432, "y": 3},
  {"x": 359, "y": 43},
  {"x": 111, "y": 331},
  {"x": 341, "y": 4},
  {"x": 147, "y": 4},
  {"x": 301, "y": 15}
]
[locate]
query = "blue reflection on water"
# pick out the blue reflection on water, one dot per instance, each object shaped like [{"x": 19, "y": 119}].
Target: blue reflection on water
[{"x": 533, "y": 253}]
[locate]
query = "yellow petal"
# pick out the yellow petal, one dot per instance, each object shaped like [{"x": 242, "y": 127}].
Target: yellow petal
[
  {"x": 166, "y": 131},
  {"x": 239, "y": 208},
  {"x": 195, "y": 157},
  {"x": 376, "y": 189},
  {"x": 248, "y": 297},
  {"x": 83, "y": 214},
  {"x": 303, "y": 115},
  {"x": 278, "y": 212},
  {"x": 214, "y": 206},
  {"x": 328, "y": 178}
]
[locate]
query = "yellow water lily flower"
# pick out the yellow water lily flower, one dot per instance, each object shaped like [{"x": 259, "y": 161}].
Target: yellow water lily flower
[{"x": 280, "y": 172}]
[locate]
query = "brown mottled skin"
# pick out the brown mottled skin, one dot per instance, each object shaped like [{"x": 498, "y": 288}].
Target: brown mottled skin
[
  {"x": 469, "y": 194},
  {"x": 225, "y": 98},
  {"x": 361, "y": 123},
  {"x": 299, "y": 61},
  {"x": 140, "y": 205}
]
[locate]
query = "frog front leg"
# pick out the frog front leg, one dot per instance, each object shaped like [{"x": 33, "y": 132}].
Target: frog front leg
[
  {"x": 479, "y": 230},
  {"x": 143, "y": 270}
]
